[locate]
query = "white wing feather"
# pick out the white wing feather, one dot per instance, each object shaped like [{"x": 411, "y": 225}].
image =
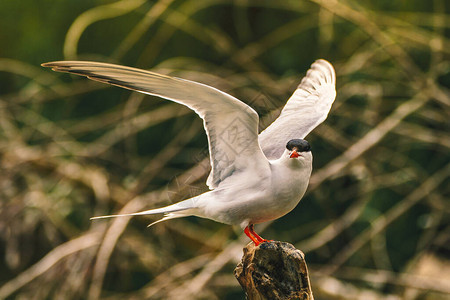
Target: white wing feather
[
  {"x": 307, "y": 108},
  {"x": 231, "y": 125}
]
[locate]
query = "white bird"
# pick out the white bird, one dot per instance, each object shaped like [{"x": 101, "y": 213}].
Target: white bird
[{"x": 254, "y": 178}]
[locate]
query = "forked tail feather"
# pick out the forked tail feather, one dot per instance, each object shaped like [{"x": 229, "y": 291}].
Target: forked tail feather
[{"x": 173, "y": 211}]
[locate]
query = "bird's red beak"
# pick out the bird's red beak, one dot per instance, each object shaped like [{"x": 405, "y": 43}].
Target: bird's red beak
[{"x": 294, "y": 154}]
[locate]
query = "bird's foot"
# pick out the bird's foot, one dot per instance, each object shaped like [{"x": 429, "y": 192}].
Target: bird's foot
[
  {"x": 263, "y": 241},
  {"x": 250, "y": 232}
]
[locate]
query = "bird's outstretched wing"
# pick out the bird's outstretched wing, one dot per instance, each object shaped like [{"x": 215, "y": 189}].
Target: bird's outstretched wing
[
  {"x": 307, "y": 108},
  {"x": 231, "y": 125}
]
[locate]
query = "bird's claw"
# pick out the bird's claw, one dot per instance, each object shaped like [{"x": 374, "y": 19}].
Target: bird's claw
[
  {"x": 257, "y": 243},
  {"x": 250, "y": 232}
]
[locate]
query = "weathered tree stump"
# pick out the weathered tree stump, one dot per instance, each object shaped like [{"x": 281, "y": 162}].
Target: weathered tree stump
[{"x": 273, "y": 270}]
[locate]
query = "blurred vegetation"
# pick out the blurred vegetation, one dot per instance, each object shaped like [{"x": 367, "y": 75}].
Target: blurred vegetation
[{"x": 374, "y": 223}]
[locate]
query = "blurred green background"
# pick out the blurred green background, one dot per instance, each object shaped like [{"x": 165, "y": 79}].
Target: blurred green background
[{"x": 374, "y": 223}]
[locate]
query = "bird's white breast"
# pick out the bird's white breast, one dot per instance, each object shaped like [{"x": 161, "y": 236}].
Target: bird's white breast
[{"x": 253, "y": 198}]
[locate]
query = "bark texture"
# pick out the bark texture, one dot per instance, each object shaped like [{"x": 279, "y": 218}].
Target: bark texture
[{"x": 273, "y": 270}]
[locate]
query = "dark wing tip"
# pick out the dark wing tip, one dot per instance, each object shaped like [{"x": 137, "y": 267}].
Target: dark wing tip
[
  {"x": 73, "y": 68},
  {"x": 47, "y": 64},
  {"x": 52, "y": 64},
  {"x": 57, "y": 66}
]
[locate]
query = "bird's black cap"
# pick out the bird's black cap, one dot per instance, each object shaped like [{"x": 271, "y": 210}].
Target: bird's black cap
[{"x": 301, "y": 145}]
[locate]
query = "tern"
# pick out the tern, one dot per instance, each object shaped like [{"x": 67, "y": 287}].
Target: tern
[{"x": 254, "y": 178}]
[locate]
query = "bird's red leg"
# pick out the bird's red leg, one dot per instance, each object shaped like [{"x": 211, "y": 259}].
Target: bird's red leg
[
  {"x": 260, "y": 239},
  {"x": 255, "y": 240},
  {"x": 252, "y": 232}
]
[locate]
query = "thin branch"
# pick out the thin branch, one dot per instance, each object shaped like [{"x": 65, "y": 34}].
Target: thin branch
[{"x": 85, "y": 241}]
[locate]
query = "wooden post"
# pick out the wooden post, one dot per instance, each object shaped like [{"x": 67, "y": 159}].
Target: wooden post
[{"x": 273, "y": 270}]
